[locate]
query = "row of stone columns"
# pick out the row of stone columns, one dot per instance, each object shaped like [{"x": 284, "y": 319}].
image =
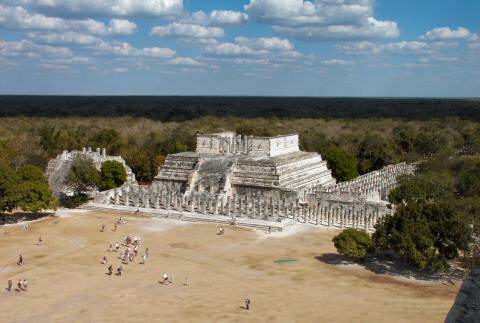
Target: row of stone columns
[{"x": 326, "y": 213}]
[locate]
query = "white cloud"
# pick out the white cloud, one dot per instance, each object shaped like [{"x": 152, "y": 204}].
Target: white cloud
[
  {"x": 265, "y": 43},
  {"x": 372, "y": 28},
  {"x": 322, "y": 18},
  {"x": 28, "y": 49},
  {"x": 120, "y": 70},
  {"x": 125, "y": 49},
  {"x": 183, "y": 30},
  {"x": 69, "y": 37},
  {"x": 445, "y": 33},
  {"x": 219, "y": 17},
  {"x": 17, "y": 18},
  {"x": 185, "y": 61},
  {"x": 104, "y": 8},
  {"x": 340, "y": 62},
  {"x": 121, "y": 27},
  {"x": 416, "y": 65},
  {"x": 366, "y": 47}
]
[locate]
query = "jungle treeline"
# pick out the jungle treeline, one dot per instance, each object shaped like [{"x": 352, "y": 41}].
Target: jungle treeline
[{"x": 180, "y": 108}]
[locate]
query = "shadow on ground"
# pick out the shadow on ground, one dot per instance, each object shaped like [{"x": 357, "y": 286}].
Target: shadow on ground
[
  {"x": 394, "y": 266},
  {"x": 10, "y": 218}
]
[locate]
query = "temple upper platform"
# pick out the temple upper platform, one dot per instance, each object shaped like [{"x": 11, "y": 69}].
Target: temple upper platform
[{"x": 226, "y": 164}]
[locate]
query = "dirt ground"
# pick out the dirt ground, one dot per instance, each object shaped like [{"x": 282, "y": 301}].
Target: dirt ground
[{"x": 67, "y": 282}]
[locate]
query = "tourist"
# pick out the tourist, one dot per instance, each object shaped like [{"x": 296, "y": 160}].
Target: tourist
[
  {"x": 39, "y": 242},
  {"x": 103, "y": 228},
  {"x": 269, "y": 229},
  {"x": 186, "y": 281},
  {"x": 115, "y": 226},
  {"x": 220, "y": 231},
  {"x": 146, "y": 252},
  {"x": 20, "y": 260},
  {"x": 165, "y": 278},
  {"x": 110, "y": 247},
  {"x": 247, "y": 303},
  {"x": 24, "y": 284},
  {"x": 110, "y": 270},
  {"x": 19, "y": 285},
  {"x": 116, "y": 246},
  {"x": 135, "y": 250},
  {"x": 119, "y": 271},
  {"x": 104, "y": 261},
  {"x": 144, "y": 259},
  {"x": 9, "y": 288}
]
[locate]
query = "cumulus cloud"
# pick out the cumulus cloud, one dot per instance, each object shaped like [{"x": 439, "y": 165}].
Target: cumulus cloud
[
  {"x": 265, "y": 43},
  {"x": 445, "y": 33},
  {"x": 243, "y": 46},
  {"x": 125, "y": 49},
  {"x": 104, "y": 8},
  {"x": 322, "y": 19},
  {"x": 121, "y": 27},
  {"x": 18, "y": 18},
  {"x": 219, "y": 17},
  {"x": 69, "y": 37},
  {"x": 183, "y": 30},
  {"x": 340, "y": 62},
  {"x": 28, "y": 49},
  {"x": 366, "y": 47},
  {"x": 185, "y": 61}
]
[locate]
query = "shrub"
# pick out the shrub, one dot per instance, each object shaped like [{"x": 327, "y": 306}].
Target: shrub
[
  {"x": 113, "y": 175},
  {"x": 353, "y": 243}
]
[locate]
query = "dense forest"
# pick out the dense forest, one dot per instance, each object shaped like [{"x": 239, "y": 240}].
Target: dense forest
[
  {"x": 174, "y": 108},
  {"x": 438, "y": 210}
]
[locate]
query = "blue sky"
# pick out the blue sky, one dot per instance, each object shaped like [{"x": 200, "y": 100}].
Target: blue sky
[{"x": 241, "y": 47}]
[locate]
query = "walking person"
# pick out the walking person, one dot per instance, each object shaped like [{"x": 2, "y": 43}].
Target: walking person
[
  {"x": 247, "y": 303},
  {"x": 9, "y": 288},
  {"x": 103, "y": 228},
  {"x": 20, "y": 260},
  {"x": 110, "y": 270},
  {"x": 39, "y": 242},
  {"x": 115, "y": 226}
]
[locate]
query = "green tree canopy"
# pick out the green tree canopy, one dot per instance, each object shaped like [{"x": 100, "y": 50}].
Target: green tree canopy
[
  {"x": 342, "y": 163},
  {"x": 353, "y": 243},
  {"x": 27, "y": 189},
  {"x": 375, "y": 152},
  {"x": 424, "y": 234},
  {"x": 83, "y": 176},
  {"x": 33, "y": 192},
  {"x": 112, "y": 174},
  {"x": 8, "y": 181}
]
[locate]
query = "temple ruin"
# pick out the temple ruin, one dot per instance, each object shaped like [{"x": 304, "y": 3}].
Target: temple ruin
[{"x": 266, "y": 181}]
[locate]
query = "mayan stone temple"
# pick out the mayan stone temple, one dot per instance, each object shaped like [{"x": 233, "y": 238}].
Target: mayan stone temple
[{"x": 264, "y": 182}]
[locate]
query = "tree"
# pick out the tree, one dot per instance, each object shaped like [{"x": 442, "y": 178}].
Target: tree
[
  {"x": 422, "y": 187},
  {"x": 108, "y": 138},
  {"x": 8, "y": 180},
  {"x": 424, "y": 234},
  {"x": 33, "y": 192},
  {"x": 83, "y": 175},
  {"x": 353, "y": 243},
  {"x": 112, "y": 174},
  {"x": 342, "y": 163},
  {"x": 375, "y": 152}
]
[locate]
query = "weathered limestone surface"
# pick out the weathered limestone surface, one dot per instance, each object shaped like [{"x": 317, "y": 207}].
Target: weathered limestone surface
[{"x": 58, "y": 168}]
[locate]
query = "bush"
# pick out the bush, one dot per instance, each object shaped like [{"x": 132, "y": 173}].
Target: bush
[
  {"x": 83, "y": 175},
  {"x": 353, "y": 243},
  {"x": 113, "y": 175},
  {"x": 342, "y": 163}
]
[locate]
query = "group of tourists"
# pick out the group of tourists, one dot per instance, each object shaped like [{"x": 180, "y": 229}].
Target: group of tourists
[{"x": 22, "y": 285}]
